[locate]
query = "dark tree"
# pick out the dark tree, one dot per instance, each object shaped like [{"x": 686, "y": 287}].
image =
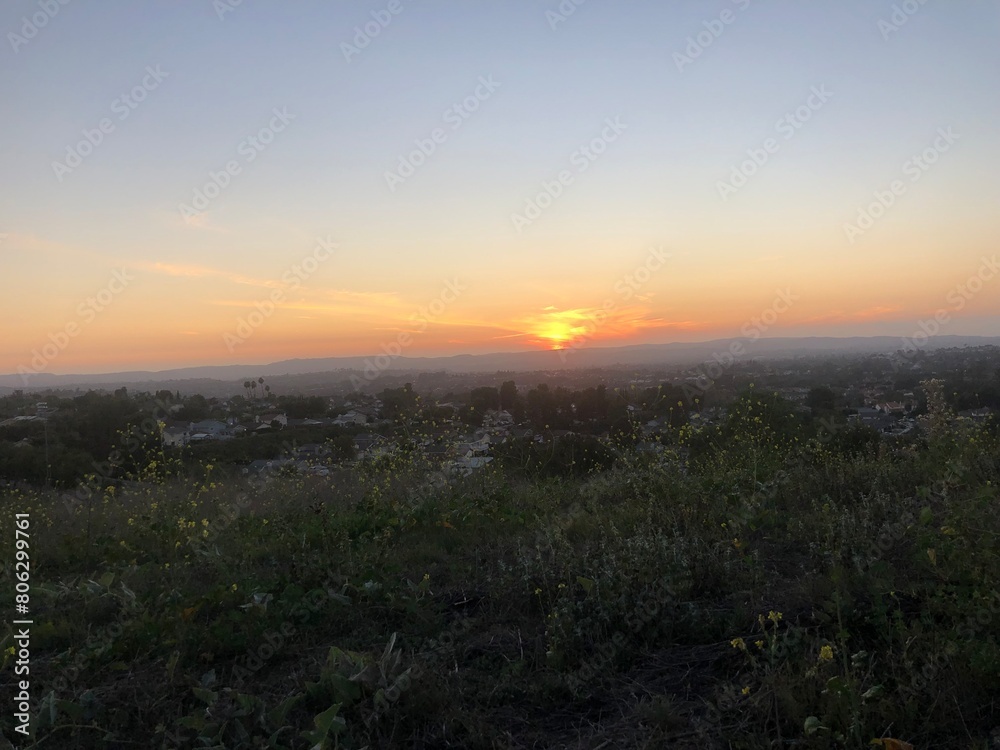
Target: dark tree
[
  {"x": 485, "y": 398},
  {"x": 821, "y": 399},
  {"x": 508, "y": 395}
]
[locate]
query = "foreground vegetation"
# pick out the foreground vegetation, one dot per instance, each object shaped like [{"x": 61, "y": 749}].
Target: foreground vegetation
[{"x": 758, "y": 585}]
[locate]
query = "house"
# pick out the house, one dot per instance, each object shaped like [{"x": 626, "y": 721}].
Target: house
[
  {"x": 498, "y": 419},
  {"x": 308, "y": 467},
  {"x": 353, "y": 417},
  {"x": 466, "y": 465},
  {"x": 308, "y": 422},
  {"x": 977, "y": 415},
  {"x": 273, "y": 417},
  {"x": 175, "y": 436},
  {"x": 312, "y": 452},
  {"x": 211, "y": 427},
  {"x": 473, "y": 447},
  {"x": 367, "y": 444}
]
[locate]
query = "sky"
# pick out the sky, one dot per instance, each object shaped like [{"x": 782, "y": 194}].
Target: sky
[{"x": 243, "y": 182}]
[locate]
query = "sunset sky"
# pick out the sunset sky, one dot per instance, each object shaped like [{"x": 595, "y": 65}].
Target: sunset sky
[{"x": 580, "y": 159}]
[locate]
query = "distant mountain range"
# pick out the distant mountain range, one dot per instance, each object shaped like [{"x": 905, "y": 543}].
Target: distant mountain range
[{"x": 530, "y": 361}]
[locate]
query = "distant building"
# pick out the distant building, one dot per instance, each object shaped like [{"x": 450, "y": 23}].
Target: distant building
[
  {"x": 176, "y": 436},
  {"x": 211, "y": 427},
  {"x": 501, "y": 419},
  {"x": 977, "y": 415},
  {"x": 352, "y": 418},
  {"x": 367, "y": 443}
]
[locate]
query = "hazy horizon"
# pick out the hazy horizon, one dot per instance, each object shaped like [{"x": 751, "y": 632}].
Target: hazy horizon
[{"x": 764, "y": 348}]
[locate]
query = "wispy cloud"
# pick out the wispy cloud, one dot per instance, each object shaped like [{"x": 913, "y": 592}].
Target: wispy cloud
[
  {"x": 204, "y": 272},
  {"x": 333, "y": 302},
  {"x": 201, "y": 221}
]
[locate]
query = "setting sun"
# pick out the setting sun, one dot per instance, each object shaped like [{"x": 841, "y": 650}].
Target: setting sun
[
  {"x": 555, "y": 329},
  {"x": 558, "y": 333}
]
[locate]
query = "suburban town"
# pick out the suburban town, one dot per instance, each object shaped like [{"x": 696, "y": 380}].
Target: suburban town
[{"x": 462, "y": 423}]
